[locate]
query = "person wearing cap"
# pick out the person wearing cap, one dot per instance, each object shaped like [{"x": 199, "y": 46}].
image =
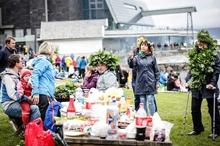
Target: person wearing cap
[
  {"x": 204, "y": 69},
  {"x": 147, "y": 76},
  {"x": 43, "y": 78}
]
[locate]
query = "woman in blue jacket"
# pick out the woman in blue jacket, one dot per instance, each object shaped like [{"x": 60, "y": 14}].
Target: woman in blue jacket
[
  {"x": 147, "y": 80},
  {"x": 43, "y": 78}
]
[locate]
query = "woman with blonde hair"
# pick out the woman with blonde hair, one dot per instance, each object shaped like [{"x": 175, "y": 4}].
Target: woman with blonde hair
[{"x": 43, "y": 77}]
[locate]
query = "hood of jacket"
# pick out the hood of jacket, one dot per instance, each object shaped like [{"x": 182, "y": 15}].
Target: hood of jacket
[{"x": 10, "y": 72}]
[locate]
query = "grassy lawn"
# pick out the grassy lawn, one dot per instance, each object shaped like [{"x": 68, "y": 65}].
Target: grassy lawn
[{"x": 171, "y": 107}]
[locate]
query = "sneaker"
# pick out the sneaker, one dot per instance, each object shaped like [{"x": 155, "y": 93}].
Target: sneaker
[
  {"x": 193, "y": 133},
  {"x": 14, "y": 127},
  {"x": 211, "y": 136}
]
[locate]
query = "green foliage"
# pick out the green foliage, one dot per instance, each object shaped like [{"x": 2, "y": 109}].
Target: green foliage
[
  {"x": 201, "y": 61},
  {"x": 64, "y": 91},
  {"x": 104, "y": 57}
]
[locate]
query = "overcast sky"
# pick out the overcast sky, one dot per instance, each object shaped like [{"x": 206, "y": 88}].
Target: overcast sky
[{"x": 207, "y": 15}]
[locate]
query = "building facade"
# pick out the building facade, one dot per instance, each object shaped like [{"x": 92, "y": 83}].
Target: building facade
[{"x": 22, "y": 18}]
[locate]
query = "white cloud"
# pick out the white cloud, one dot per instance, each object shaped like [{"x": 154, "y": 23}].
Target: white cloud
[{"x": 207, "y": 14}]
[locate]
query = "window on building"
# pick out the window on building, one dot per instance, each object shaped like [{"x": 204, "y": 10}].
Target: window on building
[
  {"x": 8, "y": 33},
  {"x": 100, "y": 6},
  {"x": 96, "y": 4},
  {"x": 38, "y": 33},
  {"x": 28, "y": 31},
  {"x": 19, "y": 33},
  {"x": 92, "y": 6}
]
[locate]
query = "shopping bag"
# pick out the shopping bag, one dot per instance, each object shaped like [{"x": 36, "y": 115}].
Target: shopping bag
[
  {"x": 52, "y": 110},
  {"x": 36, "y": 136}
]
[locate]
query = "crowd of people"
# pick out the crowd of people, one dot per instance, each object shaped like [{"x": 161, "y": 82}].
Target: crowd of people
[
  {"x": 171, "y": 80},
  {"x": 26, "y": 94}
]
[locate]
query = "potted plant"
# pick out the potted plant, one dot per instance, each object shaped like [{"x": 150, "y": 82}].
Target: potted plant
[{"x": 63, "y": 92}]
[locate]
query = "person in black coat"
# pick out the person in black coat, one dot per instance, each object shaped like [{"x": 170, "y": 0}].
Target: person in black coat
[
  {"x": 5, "y": 53},
  {"x": 207, "y": 90},
  {"x": 147, "y": 76}
]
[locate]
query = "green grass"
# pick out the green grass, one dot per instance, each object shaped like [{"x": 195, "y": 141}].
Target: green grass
[
  {"x": 171, "y": 107},
  {"x": 7, "y": 135}
]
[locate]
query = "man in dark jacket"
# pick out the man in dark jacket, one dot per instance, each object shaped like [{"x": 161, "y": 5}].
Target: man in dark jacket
[
  {"x": 204, "y": 87},
  {"x": 5, "y": 53}
]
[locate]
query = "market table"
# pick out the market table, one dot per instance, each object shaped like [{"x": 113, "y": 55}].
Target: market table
[{"x": 96, "y": 141}]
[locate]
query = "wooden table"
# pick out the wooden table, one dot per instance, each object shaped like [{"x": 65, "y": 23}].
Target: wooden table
[{"x": 96, "y": 141}]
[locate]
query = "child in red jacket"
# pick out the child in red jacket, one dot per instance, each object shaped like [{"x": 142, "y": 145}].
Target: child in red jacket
[{"x": 24, "y": 88}]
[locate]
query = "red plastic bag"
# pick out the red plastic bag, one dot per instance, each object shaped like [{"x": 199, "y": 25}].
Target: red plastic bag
[{"x": 36, "y": 136}]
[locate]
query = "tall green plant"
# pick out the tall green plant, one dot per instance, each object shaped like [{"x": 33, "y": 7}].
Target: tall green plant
[{"x": 201, "y": 61}]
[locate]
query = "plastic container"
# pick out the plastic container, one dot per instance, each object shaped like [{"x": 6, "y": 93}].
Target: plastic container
[
  {"x": 112, "y": 116},
  {"x": 71, "y": 108},
  {"x": 149, "y": 128},
  {"x": 123, "y": 105},
  {"x": 141, "y": 122}
]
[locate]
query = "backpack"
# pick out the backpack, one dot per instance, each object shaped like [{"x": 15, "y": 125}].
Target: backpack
[{"x": 52, "y": 110}]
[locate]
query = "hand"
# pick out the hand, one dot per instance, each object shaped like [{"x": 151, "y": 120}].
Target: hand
[
  {"x": 210, "y": 87},
  {"x": 157, "y": 86},
  {"x": 131, "y": 54},
  {"x": 88, "y": 74},
  {"x": 29, "y": 100},
  {"x": 35, "y": 99}
]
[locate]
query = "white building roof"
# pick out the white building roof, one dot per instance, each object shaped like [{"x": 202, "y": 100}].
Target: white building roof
[{"x": 73, "y": 29}]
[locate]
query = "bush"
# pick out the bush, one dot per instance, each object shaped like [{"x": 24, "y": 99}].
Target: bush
[{"x": 63, "y": 92}]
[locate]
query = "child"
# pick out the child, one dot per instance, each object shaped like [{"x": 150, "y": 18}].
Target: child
[
  {"x": 90, "y": 79},
  {"x": 24, "y": 88}
]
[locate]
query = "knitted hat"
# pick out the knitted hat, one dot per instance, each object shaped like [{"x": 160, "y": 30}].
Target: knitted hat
[{"x": 25, "y": 72}]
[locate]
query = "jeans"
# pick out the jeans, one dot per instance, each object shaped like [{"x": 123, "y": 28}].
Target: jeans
[
  {"x": 14, "y": 111},
  {"x": 149, "y": 103}
]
